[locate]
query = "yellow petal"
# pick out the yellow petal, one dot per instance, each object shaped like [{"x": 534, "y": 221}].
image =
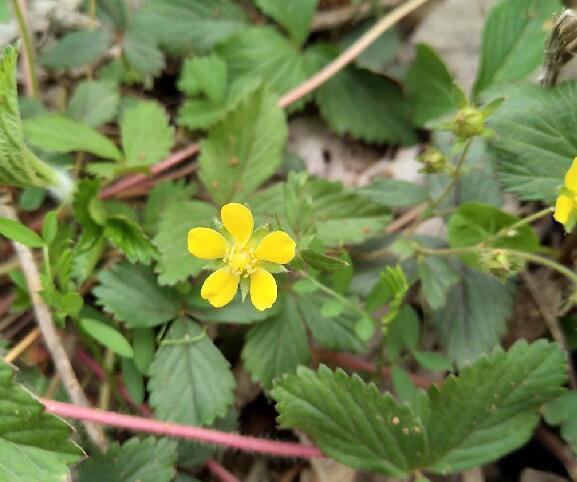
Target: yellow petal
[
  {"x": 262, "y": 289},
  {"x": 220, "y": 287},
  {"x": 571, "y": 177},
  {"x": 563, "y": 208},
  {"x": 206, "y": 243},
  {"x": 276, "y": 247},
  {"x": 238, "y": 221}
]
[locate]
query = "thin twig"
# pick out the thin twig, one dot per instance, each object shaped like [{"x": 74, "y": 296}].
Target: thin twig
[
  {"x": 351, "y": 53},
  {"x": 335, "y": 17},
  {"x": 169, "y": 429},
  {"x": 551, "y": 321},
  {"x": 22, "y": 345},
  {"x": 28, "y": 56},
  {"x": 559, "y": 450},
  {"x": 48, "y": 330},
  {"x": 220, "y": 472}
]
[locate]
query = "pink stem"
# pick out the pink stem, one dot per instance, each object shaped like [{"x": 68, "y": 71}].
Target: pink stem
[
  {"x": 219, "y": 471},
  {"x": 169, "y": 429},
  {"x": 131, "y": 181}
]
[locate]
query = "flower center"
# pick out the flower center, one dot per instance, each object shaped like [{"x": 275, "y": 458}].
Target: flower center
[{"x": 241, "y": 260}]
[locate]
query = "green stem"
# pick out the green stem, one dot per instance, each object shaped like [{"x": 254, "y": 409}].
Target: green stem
[
  {"x": 518, "y": 224},
  {"x": 455, "y": 175},
  {"x": 29, "y": 58}
]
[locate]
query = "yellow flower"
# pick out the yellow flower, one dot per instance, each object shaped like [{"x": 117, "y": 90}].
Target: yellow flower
[
  {"x": 245, "y": 255},
  {"x": 566, "y": 205}
]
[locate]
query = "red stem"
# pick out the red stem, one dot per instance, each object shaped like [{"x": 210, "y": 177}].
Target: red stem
[
  {"x": 169, "y": 429},
  {"x": 219, "y": 471}
]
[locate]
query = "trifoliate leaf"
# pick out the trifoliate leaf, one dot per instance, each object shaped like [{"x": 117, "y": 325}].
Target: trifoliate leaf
[
  {"x": 535, "y": 151},
  {"x": 175, "y": 262},
  {"x": 142, "y": 52},
  {"x": 108, "y": 336},
  {"x": 491, "y": 407},
  {"x": 16, "y": 231},
  {"x": 437, "y": 276},
  {"x": 276, "y": 346},
  {"x": 190, "y": 25},
  {"x": 19, "y": 166},
  {"x": 513, "y": 40},
  {"x": 33, "y": 444},
  {"x": 94, "y": 102},
  {"x": 190, "y": 381},
  {"x": 468, "y": 325},
  {"x": 132, "y": 295},
  {"x": 295, "y": 16},
  {"x": 54, "y": 132},
  {"x": 136, "y": 460},
  {"x": 77, "y": 49},
  {"x": 245, "y": 149},
  {"x": 431, "y": 86},
  {"x": 127, "y": 236},
  {"x": 146, "y": 135}
]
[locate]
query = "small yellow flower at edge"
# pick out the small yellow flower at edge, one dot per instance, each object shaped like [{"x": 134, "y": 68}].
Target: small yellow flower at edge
[
  {"x": 566, "y": 205},
  {"x": 243, "y": 256}
]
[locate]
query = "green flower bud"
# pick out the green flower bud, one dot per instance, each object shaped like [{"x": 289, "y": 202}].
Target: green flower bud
[
  {"x": 501, "y": 264},
  {"x": 433, "y": 160},
  {"x": 468, "y": 122}
]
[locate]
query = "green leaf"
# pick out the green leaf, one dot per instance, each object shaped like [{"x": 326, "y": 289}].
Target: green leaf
[
  {"x": 77, "y": 49},
  {"x": 108, "y": 336},
  {"x": 127, "y": 236},
  {"x": 535, "y": 151},
  {"x": 190, "y": 25},
  {"x": 190, "y": 381},
  {"x": 561, "y": 411},
  {"x": 404, "y": 387},
  {"x": 175, "y": 262},
  {"x": 146, "y": 135},
  {"x": 321, "y": 261},
  {"x": 513, "y": 39},
  {"x": 16, "y": 231},
  {"x": 19, "y": 166},
  {"x": 331, "y": 308},
  {"x": 365, "y": 328},
  {"x": 94, "y": 102},
  {"x": 395, "y": 192},
  {"x": 437, "y": 276},
  {"x": 245, "y": 149},
  {"x": 144, "y": 348},
  {"x": 205, "y": 74},
  {"x": 132, "y": 295},
  {"x": 33, "y": 444},
  {"x": 133, "y": 380},
  {"x": 4, "y": 11},
  {"x": 475, "y": 223},
  {"x": 491, "y": 407},
  {"x": 50, "y": 227},
  {"x": 276, "y": 346},
  {"x": 142, "y": 52},
  {"x": 468, "y": 324},
  {"x": 54, "y": 132},
  {"x": 137, "y": 460},
  {"x": 366, "y": 106},
  {"x": 295, "y": 16},
  {"x": 431, "y": 86},
  {"x": 433, "y": 361},
  {"x": 162, "y": 195}
]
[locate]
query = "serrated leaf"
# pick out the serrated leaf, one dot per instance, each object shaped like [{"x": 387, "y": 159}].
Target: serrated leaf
[
  {"x": 19, "y": 166},
  {"x": 535, "y": 150},
  {"x": 137, "y": 460},
  {"x": 190, "y": 25},
  {"x": 245, "y": 149},
  {"x": 132, "y": 294},
  {"x": 468, "y": 325},
  {"x": 16, "y": 231},
  {"x": 513, "y": 38},
  {"x": 491, "y": 407},
  {"x": 161, "y": 196},
  {"x": 205, "y": 74},
  {"x": 276, "y": 346},
  {"x": 142, "y": 52},
  {"x": 175, "y": 262},
  {"x": 146, "y": 135},
  {"x": 190, "y": 382},
  {"x": 127, "y": 236},
  {"x": 77, "y": 49},
  {"x": 295, "y": 16},
  {"x": 33, "y": 444},
  {"x": 366, "y": 106},
  {"x": 431, "y": 86},
  {"x": 437, "y": 276},
  {"x": 108, "y": 336},
  {"x": 54, "y": 132},
  {"x": 94, "y": 102}
]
